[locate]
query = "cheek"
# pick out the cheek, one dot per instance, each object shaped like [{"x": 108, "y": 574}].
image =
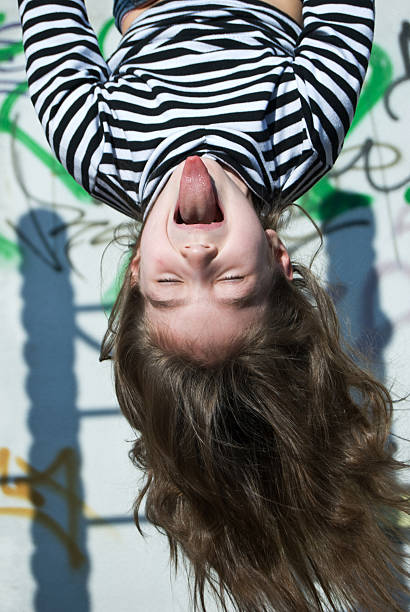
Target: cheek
[
  {"x": 153, "y": 262},
  {"x": 154, "y": 231},
  {"x": 253, "y": 244}
]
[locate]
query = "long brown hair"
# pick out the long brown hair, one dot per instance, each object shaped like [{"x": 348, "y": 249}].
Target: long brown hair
[{"x": 271, "y": 471}]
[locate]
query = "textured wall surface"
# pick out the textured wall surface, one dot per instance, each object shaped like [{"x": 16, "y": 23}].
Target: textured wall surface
[{"x": 67, "y": 541}]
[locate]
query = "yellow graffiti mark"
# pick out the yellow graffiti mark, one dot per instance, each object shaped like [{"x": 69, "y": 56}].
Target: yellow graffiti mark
[
  {"x": 66, "y": 461},
  {"x": 361, "y": 164},
  {"x": 21, "y": 488},
  {"x": 77, "y": 558}
]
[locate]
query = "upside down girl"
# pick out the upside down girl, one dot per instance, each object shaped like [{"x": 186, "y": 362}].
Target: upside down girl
[{"x": 263, "y": 443}]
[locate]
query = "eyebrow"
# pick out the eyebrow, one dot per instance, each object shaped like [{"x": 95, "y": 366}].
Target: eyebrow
[{"x": 250, "y": 299}]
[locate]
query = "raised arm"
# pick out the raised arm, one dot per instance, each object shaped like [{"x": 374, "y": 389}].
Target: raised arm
[
  {"x": 328, "y": 70},
  {"x": 69, "y": 87}
]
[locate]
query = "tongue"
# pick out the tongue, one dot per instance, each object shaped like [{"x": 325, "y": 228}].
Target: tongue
[{"x": 196, "y": 201}]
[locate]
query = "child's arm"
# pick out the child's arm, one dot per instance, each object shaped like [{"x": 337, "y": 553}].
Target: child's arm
[
  {"x": 322, "y": 84},
  {"x": 67, "y": 79}
]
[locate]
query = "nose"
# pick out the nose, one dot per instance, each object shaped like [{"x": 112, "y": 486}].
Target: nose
[{"x": 199, "y": 254}]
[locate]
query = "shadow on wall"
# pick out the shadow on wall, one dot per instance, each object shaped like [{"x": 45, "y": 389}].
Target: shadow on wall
[
  {"x": 355, "y": 287},
  {"x": 59, "y": 561}
]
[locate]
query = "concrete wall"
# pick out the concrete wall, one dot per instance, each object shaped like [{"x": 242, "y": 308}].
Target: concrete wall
[{"x": 67, "y": 541}]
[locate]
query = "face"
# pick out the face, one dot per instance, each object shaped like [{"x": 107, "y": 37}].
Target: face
[{"x": 204, "y": 263}]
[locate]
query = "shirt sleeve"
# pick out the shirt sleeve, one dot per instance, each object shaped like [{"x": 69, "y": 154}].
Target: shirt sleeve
[
  {"x": 67, "y": 78},
  {"x": 319, "y": 90}
]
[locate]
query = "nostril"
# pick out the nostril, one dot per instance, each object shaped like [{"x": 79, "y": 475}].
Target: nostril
[{"x": 199, "y": 244}]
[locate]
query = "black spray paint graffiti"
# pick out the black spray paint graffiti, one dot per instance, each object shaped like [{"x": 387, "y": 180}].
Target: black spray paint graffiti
[{"x": 368, "y": 151}]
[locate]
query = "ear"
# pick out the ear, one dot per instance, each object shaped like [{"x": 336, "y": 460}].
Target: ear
[
  {"x": 279, "y": 252},
  {"x": 135, "y": 268}
]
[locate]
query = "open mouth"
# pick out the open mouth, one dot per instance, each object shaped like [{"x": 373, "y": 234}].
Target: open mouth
[{"x": 197, "y": 219}]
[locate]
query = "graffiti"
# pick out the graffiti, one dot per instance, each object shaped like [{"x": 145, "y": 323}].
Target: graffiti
[
  {"x": 103, "y": 35},
  {"x": 11, "y": 58},
  {"x": 25, "y": 487},
  {"x": 78, "y": 229},
  {"x": 370, "y": 147},
  {"x": 9, "y": 251},
  {"x": 11, "y": 48},
  {"x": 367, "y": 152},
  {"x": 10, "y": 126},
  {"x": 404, "y": 45},
  {"x": 101, "y": 233}
]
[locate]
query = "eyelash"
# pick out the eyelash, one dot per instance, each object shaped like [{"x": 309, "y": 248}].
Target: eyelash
[
  {"x": 169, "y": 280},
  {"x": 174, "y": 280}
]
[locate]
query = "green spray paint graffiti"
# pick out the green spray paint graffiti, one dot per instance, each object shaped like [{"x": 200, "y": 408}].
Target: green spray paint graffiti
[
  {"x": 10, "y": 126},
  {"x": 324, "y": 202},
  {"x": 9, "y": 251},
  {"x": 381, "y": 75},
  {"x": 102, "y": 36},
  {"x": 11, "y": 50},
  {"x": 110, "y": 295}
]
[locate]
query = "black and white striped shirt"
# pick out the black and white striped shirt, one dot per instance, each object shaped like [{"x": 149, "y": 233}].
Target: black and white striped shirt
[{"x": 235, "y": 80}]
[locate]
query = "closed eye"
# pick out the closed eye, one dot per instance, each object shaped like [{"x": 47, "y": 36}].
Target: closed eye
[
  {"x": 169, "y": 280},
  {"x": 176, "y": 280}
]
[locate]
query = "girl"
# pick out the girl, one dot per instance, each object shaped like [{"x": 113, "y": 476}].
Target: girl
[
  {"x": 253, "y": 107},
  {"x": 263, "y": 443}
]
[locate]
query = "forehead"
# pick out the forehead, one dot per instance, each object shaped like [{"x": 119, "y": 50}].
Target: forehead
[{"x": 204, "y": 326}]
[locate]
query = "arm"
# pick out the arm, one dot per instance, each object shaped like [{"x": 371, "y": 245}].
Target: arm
[
  {"x": 68, "y": 80},
  {"x": 328, "y": 70}
]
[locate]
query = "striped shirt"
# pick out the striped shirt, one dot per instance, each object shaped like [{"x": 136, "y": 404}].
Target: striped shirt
[{"x": 238, "y": 81}]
